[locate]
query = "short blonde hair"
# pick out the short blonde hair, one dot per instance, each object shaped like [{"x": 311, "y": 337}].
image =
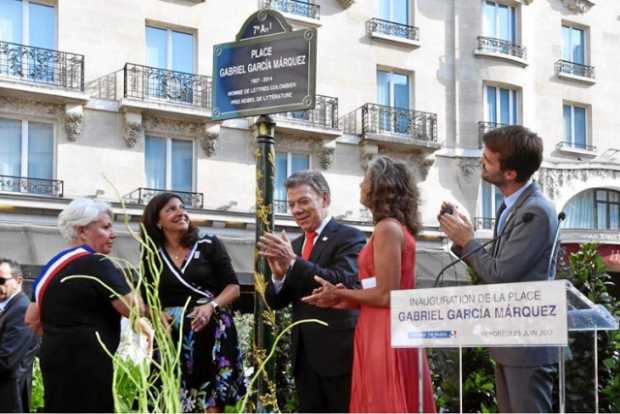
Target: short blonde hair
[{"x": 80, "y": 212}]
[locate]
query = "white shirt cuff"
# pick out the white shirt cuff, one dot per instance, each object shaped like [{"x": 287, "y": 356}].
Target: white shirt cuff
[{"x": 277, "y": 284}]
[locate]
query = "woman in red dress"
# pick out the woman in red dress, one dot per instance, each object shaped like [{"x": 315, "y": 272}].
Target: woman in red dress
[{"x": 384, "y": 379}]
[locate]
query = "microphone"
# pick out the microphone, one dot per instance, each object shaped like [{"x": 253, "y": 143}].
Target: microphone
[
  {"x": 526, "y": 218},
  {"x": 551, "y": 266}
]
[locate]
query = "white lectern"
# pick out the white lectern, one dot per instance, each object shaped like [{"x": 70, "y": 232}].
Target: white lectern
[{"x": 496, "y": 315}]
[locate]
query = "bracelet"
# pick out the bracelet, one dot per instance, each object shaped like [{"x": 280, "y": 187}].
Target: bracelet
[{"x": 214, "y": 305}]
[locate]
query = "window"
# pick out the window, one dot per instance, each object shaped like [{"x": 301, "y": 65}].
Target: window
[
  {"x": 396, "y": 11},
  {"x": 490, "y": 200},
  {"x": 31, "y": 24},
  {"x": 169, "y": 164},
  {"x": 594, "y": 209},
  {"x": 499, "y": 21},
  {"x": 575, "y": 126},
  {"x": 573, "y": 45},
  {"x": 170, "y": 50},
  {"x": 286, "y": 164},
  {"x": 393, "y": 91},
  {"x": 26, "y": 150},
  {"x": 501, "y": 105}
]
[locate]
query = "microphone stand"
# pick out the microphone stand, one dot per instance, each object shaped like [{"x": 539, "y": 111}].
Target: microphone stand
[
  {"x": 561, "y": 218},
  {"x": 561, "y": 362}
]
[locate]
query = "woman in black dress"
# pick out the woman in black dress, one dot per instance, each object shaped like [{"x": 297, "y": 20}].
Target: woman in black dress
[
  {"x": 74, "y": 315},
  {"x": 197, "y": 268}
]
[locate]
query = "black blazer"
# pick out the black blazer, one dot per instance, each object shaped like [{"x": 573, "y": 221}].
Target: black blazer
[
  {"x": 329, "y": 350},
  {"x": 18, "y": 346}
]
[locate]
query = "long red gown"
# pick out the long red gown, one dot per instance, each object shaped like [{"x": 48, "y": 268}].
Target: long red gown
[{"x": 385, "y": 379}]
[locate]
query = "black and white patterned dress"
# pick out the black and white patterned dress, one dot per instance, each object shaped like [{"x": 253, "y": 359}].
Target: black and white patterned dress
[{"x": 212, "y": 371}]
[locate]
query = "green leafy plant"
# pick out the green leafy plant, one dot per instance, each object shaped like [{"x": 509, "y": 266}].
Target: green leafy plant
[
  {"x": 36, "y": 404},
  {"x": 586, "y": 270}
]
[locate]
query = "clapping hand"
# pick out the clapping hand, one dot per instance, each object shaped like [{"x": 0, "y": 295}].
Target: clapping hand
[
  {"x": 279, "y": 252},
  {"x": 455, "y": 224},
  {"x": 326, "y": 296}
]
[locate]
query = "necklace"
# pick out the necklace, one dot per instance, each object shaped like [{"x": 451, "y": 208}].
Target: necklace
[{"x": 177, "y": 257}]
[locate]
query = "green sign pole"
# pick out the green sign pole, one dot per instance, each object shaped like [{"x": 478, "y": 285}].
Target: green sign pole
[{"x": 265, "y": 174}]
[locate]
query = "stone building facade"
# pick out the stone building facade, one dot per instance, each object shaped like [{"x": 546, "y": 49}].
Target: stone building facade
[{"x": 104, "y": 99}]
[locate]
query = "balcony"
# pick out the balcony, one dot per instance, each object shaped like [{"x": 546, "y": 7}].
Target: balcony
[
  {"x": 484, "y": 223},
  {"x": 40, "y": 71},
  {"x": 484, "y": 127},
  {"x": 576, "y": 148},
  {"x": 320, "y": 122},
  {"x": 143, "y": 195},
  {"x": 392, "y": 31},
  {"x": 399, "y": 128},
  {"x": 297, "y": 10},
  {"x": 31, "y": 186},
  {"x": 501, "y": 49},
  {"x": 156, "y": 90},
  {"x": 575, "y": 71}
]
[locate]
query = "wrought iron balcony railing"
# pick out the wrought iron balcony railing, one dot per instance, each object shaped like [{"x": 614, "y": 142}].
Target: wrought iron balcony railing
[
  {"x": 280, "y": 206},
  {"x": 484, "y": 127},
  {"x": 572, "y": 68},
  {"x": 484, "y": 223},
  {"x": 379, "y": 119},
  {"x": 28, "y": 185},
  {"x": 168, "y": 86},
  {"x": 505, "y": 47},
  {"x": 392, "y": 29},
  {"x": 324, "y": 114},
  {"x": 143, "y": 195},
  {"x": 296, "y": 7},
  {"x": 39, "y": 66},
  {"x": 575, "y": 145}
]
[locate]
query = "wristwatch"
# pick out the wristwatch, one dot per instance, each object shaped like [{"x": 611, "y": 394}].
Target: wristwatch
[{"x": 215, "y": 306}]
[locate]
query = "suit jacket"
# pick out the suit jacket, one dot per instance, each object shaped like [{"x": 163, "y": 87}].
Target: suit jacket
[
  {"x": 18, "y": 346},
  {"x": 329, "y": 350},
  {"x": 521, "y": 255}
]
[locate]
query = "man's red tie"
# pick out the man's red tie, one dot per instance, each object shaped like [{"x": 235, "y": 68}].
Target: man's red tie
[{"x": 310, "y": 236}]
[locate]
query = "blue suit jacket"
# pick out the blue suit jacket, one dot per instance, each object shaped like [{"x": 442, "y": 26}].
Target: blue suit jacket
[
  {"x": 18, "y": 346},
  {"x": 522, "y": 255},
  {"x": 329, "y": 350}
]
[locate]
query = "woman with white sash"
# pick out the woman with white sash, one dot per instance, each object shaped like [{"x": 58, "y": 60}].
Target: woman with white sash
[{"x": 77, "y": 316}]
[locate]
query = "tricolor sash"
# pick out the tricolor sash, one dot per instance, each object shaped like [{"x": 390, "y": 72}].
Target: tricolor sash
[{"x": 54, "y": 266}]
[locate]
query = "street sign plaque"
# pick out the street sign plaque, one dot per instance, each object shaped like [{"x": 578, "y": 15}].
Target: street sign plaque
[{"x": 264, "y": 74}]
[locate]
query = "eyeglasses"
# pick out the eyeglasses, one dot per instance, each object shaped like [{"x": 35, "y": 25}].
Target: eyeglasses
[{"x": 3, "y": 280}]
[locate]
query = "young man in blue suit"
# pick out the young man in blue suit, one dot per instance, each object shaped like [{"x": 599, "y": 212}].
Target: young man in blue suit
[
  {"x": 524, "y": 375},
  {"x": 322, "y": 356}
]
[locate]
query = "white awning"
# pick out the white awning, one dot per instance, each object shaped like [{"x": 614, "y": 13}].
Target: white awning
[{"x": 33, "y": 245}]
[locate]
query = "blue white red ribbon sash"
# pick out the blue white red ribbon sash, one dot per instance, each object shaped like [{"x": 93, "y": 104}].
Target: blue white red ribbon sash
[{"x": 54, "y": 266}]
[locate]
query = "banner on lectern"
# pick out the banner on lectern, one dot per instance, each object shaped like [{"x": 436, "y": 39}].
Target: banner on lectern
[{"x": 506, "y": 314}]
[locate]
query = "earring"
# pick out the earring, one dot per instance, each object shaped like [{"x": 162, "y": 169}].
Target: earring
[{"x": 159, "y": 226}]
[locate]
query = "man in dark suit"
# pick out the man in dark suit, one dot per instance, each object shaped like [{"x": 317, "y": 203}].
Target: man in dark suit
[
  {"x": 511, "y": 155},
  {"x": 322, "y": 356},
  {"x": 18, "y": 343}
]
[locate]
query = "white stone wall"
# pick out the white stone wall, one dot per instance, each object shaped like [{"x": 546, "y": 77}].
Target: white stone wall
[{"x": 448, "y": 79}]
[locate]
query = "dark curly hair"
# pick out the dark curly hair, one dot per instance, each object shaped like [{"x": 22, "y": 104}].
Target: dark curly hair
[
  {"x": 150, "y": 217},
  {"x": 393, "y": 192}
]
